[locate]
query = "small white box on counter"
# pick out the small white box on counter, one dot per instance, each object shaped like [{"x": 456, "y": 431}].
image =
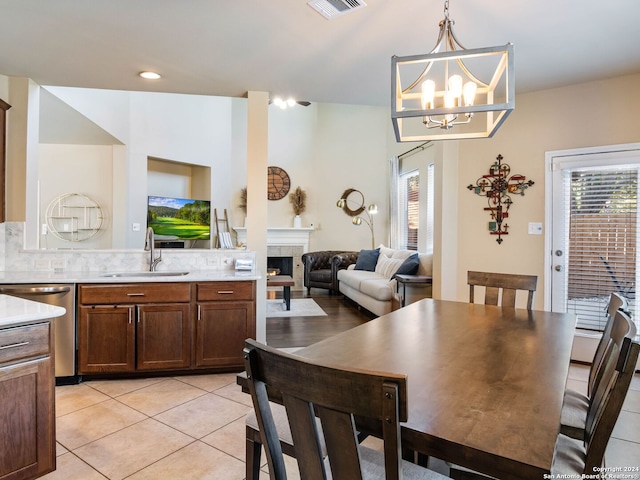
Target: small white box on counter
[{"x": 244, "y": 264}]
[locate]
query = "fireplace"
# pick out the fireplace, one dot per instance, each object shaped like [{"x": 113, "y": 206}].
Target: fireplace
[{"x": 282, "y": 265}]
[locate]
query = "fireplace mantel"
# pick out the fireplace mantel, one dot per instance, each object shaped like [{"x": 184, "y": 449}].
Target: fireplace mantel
[{"x": 281, "y": 236}]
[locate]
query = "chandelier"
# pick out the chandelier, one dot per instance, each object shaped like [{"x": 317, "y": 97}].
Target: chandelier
[{"x": 447, "y": 97}]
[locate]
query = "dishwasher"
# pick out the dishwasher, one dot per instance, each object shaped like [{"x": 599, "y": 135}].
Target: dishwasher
[{"x": 60, "y": 295}]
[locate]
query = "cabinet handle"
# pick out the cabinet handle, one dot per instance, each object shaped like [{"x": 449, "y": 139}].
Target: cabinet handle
[
  {"x": 198, "y": 312},
  {"x": 14, "y": 345},
  {"x": 135, "y": 294},
  {"x": 225, "y": 292},
  {"x": 130, "y": 317}
]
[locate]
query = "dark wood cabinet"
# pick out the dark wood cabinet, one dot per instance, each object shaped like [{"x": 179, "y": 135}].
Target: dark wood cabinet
[
  {"x": 4, "y": 106},
  {"x": 122, "y": 329},
  {"x": 27, "y": 417},
  {"x": 225, "y": 318},
  {"x": 154, "y": 327}
]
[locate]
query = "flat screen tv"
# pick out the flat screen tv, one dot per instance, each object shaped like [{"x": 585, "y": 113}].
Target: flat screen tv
[{"x": 179, "y": 218}]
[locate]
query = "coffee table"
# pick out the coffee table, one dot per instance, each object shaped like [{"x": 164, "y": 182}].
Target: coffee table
[{"x": 284, "y": 281}]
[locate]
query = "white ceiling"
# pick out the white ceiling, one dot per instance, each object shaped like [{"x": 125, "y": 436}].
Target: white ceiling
[{"x": 229, "y": 47}]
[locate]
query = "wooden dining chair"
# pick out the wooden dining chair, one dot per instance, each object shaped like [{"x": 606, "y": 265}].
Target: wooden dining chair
[
  {"x": 337, "y": 396},
  {"x": 576, "y": 404},
  {"x": 501, "y": 288},
  {"x": 584, "y": 457}
]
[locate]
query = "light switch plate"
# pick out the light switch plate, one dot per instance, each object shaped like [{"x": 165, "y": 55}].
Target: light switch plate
[{"x": 535, "y": 228}]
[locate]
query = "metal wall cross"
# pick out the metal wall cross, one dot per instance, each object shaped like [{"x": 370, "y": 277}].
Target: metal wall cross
[{"x": 498, "y": 187}]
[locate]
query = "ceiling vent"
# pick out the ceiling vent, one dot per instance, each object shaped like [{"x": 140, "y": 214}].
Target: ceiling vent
[{"x": 334, "y": 8}]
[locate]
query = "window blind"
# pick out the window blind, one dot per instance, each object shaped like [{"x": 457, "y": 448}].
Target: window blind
[{"x": 601, "y": 240}]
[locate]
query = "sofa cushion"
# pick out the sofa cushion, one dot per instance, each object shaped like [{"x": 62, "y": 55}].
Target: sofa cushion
[
  {"x": 378, "y": 288},
  {"x": 367, "y": 260},
  {"x": 387, "y": 267},
  {"x": 354, "y": 278},
  {"x": 409, "y": 266},
  {"x": 394, "y": 253}
]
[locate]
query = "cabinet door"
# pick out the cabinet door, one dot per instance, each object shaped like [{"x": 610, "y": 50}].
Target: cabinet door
[
  {"x": 27, "y": 420},
  {"x": 163, "y": 337},
  {"x": 221, "y": 329},
  {"x": 106, "y": 339}
]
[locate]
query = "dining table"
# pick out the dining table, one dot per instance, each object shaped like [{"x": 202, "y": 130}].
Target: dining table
[{"x": 485, "y": 383}]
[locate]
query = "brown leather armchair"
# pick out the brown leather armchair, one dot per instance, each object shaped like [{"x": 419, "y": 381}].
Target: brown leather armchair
[{"x": 321, "y": 268}]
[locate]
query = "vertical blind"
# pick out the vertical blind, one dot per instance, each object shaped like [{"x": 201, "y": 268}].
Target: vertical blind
[{"x": 601, "y": 241}]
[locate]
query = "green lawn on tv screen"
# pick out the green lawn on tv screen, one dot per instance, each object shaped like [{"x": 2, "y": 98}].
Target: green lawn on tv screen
[{"x": 179, "y": 228}]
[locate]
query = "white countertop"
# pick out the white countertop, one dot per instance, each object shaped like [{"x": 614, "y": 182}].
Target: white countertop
[
  {"x": 107, "y": 277},
  {"x": 14, "y": 311}
]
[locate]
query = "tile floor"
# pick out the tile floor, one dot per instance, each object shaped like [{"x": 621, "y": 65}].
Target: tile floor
[{"x": 192, "y": 427}]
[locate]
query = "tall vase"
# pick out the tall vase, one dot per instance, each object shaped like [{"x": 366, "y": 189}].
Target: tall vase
[{"x": 297, "y": 221}]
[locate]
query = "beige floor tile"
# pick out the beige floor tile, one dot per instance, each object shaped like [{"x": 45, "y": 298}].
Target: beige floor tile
[
  {"x": 632, "y": 402},
  {"x": 60, "y": 450},
  {"x": 635, "y": 382},
  {"x": 622, "y": 454},
  {"x": 203, "y": 415},
  {"x": 210, "y": 383},
  {"x": 115, "y": 388},
  {"x": 579, "y": 372},
  {"x": 70, "y": 467},
  {"x": 70, "y": 398},
  {"x": 234, "y": 392},
  {"x": 196, "y": 461},
  {"x": 577, "y": 385},
  {"x": 290, "y": 464},
  {"x": 627, "y": 427},
  {"x": 161, "y": 396},
  {"x": 230, "y": 439},
  {"x": 127, "y": 451},
  {"x": 89, "y": 424}
]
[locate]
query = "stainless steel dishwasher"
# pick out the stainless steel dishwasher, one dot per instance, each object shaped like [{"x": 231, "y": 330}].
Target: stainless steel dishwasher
[{"x": 61, "y": 295}]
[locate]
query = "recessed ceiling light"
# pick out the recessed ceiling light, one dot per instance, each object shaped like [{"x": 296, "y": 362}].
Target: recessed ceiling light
[{"x": 150, "y": 75}]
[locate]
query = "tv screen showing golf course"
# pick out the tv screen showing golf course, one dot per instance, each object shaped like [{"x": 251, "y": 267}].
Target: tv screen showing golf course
[{"x": 179, "y": 218}]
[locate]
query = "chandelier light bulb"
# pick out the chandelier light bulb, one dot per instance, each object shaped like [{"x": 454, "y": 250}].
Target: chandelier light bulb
[
  {"x": 455, "y": 86},
  {"x": 469, "y": 92},
  {"x": 291, "y": 102},
  {"x": 428, "y": 94}
]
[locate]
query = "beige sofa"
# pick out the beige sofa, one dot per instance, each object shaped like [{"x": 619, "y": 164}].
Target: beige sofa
[{"x": 375, "y": 289}]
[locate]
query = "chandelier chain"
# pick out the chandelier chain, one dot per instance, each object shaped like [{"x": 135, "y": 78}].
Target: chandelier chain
[{"x": 446, "y": 9}]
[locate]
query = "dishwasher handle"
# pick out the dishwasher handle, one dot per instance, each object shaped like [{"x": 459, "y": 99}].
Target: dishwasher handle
[{"x": 35, "y": 290}]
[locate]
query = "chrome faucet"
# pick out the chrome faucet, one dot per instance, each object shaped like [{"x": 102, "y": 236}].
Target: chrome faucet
[{"x": 149, "y": 246}]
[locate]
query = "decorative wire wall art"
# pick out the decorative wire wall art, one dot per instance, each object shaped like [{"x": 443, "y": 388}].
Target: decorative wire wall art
[{"x": 499, "y": 187}]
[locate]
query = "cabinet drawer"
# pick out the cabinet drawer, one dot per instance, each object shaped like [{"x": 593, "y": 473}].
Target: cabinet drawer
[
  {"x": 225, "y": 291},
  {"x": 23, "y": 342},
  {"x": 134, "y": 293}
]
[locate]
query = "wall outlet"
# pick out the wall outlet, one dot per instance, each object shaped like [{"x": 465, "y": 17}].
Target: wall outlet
[
  {"x": 135, "y": 227},
  {"x": 58, "y": 265},
  {"x": 44, "y": 229},
  {"x": 213, "y": 261}
]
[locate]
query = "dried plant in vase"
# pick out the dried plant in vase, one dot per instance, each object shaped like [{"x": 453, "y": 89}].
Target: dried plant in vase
[
  {"x": 298, "y": 200},
  {"x": 243, "y": 199}
]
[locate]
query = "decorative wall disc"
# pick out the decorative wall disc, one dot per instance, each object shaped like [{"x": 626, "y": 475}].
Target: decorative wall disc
[{"x": 74, "y": 217}]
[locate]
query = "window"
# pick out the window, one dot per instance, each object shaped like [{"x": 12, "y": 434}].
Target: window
[{"x": 409, "y": 193}]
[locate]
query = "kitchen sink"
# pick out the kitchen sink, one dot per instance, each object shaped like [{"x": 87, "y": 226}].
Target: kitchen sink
[{"x": 144, "y": 274}]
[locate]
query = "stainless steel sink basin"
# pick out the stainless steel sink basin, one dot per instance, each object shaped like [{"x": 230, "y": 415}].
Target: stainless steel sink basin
[{"x": 144, "y": 274}]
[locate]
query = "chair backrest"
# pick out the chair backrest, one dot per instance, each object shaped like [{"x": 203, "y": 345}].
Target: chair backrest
[
  {"x": 616, "y": 302},
  {"x": 336, "y": 395},
  {"x": 508, "y": 283},
  {"x": 619, "y": 363}
]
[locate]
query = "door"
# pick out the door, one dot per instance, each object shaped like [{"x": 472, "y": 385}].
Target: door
[
  {"x": 594, "y": 237},
  {"x": 163, "y": 336}
]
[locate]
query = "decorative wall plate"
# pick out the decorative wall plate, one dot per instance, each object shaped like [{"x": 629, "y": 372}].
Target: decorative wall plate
[{"x": 74, "y": 217}]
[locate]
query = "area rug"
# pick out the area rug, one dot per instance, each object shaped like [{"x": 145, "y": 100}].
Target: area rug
[{"x": 300, "y": 307}]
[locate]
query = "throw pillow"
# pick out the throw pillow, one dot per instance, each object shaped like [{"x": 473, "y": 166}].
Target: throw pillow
[
  {"x": 367, "y": 260},
  {"x": 409, "y": 266},
  {"x": 387, "y": 267}
]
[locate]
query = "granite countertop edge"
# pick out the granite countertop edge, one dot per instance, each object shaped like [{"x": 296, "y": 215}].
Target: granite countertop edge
[{"x": 10, "y": 277}]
